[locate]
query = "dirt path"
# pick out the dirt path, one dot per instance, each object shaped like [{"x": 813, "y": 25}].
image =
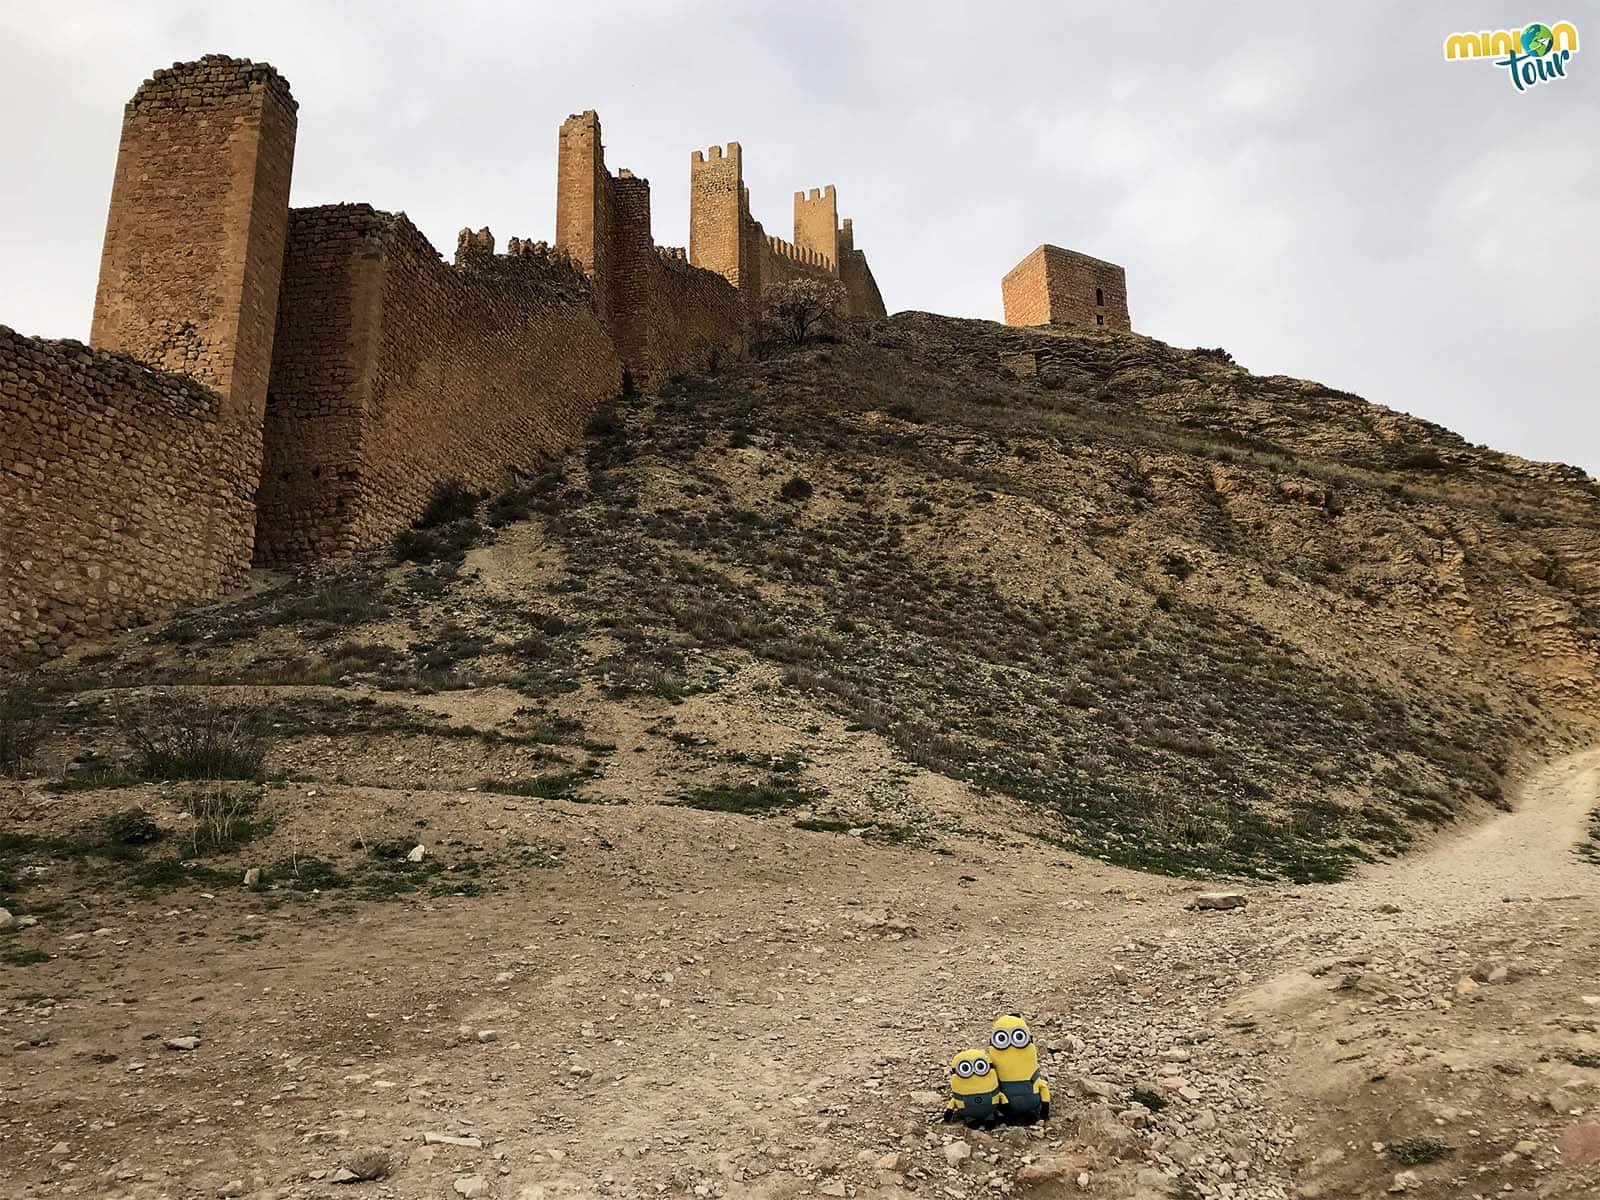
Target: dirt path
[
  {"x": 1524, "y": 854},
  {"x": 715, "y": 1005}
]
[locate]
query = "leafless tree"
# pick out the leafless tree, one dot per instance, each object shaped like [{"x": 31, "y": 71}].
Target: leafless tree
[{"x": 799, "y": 309}]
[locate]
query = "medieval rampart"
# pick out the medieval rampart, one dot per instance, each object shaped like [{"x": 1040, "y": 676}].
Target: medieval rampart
[
  {"x": 124, "y": 492},
  {"x": 393, "y": 369},
  {"x": 663, "y": 314},
  {"x": 725, "y": 238},
  {"x": 331, "y": 367}
]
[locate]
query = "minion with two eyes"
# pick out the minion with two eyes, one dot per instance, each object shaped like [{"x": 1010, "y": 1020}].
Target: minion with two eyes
[
  {"x": 975, "y": 1096},
  {"x": 1016, "y": 1061}
]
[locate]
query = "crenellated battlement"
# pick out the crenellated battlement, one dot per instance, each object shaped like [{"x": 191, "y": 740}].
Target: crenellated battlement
[
  {"x": 799, "y": 254},
  {"x": 724, "y": 237},
  {"x": 816, "y": 223},
  {"x": 716, "y": 154},
  {"x": 470, "y": 245}
]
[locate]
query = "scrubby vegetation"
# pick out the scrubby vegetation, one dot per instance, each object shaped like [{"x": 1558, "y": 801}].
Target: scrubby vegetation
[
  {"x": 189, "y": 739},
  {"x": 1415, "y": 1151},
  {"x": 21, "y": 725},
  {"x": 1191, "y": 618}
]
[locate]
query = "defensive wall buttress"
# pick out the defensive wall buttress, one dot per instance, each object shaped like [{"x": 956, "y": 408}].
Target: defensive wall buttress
[{"x": 276, "y": 385}]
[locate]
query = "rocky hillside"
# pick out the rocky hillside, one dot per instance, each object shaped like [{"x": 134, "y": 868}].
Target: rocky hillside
[{"x": 1153, "y": 607}]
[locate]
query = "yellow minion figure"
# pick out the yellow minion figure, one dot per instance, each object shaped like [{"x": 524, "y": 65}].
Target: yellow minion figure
[
  {"x": 975, "y": 1095},
  {"x": 1016, "y": 1061}
]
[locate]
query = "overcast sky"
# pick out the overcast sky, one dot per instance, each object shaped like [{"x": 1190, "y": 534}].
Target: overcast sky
[{"x": 1317, "y": 190}]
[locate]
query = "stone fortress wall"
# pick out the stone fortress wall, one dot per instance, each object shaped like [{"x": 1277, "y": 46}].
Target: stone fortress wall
[
  {"x": 126, "y": 489},
  {"x": 664, "y": 314},
  {"x": 392, "y": 369},
  {"x": 124, "y": 492},
  {"x": 271, "y": 385}
]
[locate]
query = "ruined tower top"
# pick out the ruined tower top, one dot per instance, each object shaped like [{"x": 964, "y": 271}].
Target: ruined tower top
[
  {"x": 195, "y": 234},
  {"x": 209, "y": 78}
]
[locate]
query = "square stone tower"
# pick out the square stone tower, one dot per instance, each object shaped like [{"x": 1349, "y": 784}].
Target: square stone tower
[
  {"x": 1053, "y": 286},
  {"x": 717, "y": 208},
  {"x": 583, "y": 203},
  {"x": 816, "y": 223},
  {"x": 199, "y": 213}
]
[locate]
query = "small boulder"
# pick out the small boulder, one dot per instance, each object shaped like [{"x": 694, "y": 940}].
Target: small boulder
[
  {"x": 418, "y": 853},
  {"x": 1218, "y": 901},
  {"x": 956, "y": 1153},
  {"x": 6, "y": 919},
  {"x": 366, "y": 1167},
  {"x": 470, "y": 1187},
  {"x": 185, "y": 1043},
  {"x": 1055, "y": 1168},
  {"x": 252, "y": 877},
  {"x": 1099, "y": 1129}
]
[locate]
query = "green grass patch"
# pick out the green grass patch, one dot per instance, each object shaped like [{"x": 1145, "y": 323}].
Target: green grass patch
[
  {"x": 823, "y": 825},
  {"x": 309, "y": 874},
  {"x": 1589, "y": 848},
  {"x": 174, "y": 874},
  {"x": 748, "y": 798},
  {"x": 23, "y": 958},
  {"x": 1415, "y": 1151},
  {"x": 559, "y": 786}
]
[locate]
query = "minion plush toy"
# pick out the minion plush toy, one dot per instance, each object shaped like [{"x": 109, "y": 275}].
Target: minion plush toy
[
  {"x": 975, "y": 1096},
  {"x": 1016, "y": 1062}
]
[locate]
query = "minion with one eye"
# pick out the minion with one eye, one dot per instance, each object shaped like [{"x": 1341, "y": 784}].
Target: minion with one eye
[
  {"x": 1016, "y": 1061},
  {"x": 975, "y": 1096}
]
